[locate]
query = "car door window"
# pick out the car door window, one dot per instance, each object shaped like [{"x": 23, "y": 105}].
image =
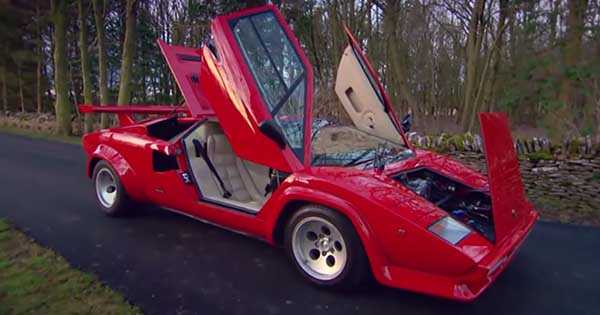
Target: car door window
[{"x": 278, "y": 72}]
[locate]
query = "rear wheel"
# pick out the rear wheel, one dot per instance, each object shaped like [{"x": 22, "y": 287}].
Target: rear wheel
[
  {"x": 110, "y": 194},
  {"x": 325, "y": 248}
]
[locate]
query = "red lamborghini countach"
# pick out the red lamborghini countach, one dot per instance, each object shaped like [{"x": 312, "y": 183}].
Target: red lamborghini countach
[{"x": 245, "y": 152}]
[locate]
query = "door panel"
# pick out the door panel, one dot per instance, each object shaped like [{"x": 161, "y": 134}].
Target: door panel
[
  {"x": 363, "y": 96},
  {"x": 364, "y": 106}
]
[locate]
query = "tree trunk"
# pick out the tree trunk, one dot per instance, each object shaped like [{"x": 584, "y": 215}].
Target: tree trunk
[
  {"x": 128, "y": 52},
  {"x": 472, "y": 57},
  {"x": 499, "y": 45},
  {"x": 85, "y": 64},
  {"x": 20, "y": 86},
  {"x": 484, "y": 95},
  {"x": 572, "y": 54},
  {"x": 38, "y": 74},
  {"x": 4, "y": 90},
  {"x": 598, "y": 119},
  {"x": 102, "y": 58},
  {"x": 552, "y": 19},
  {"x": 395, "y": 48},
  {"x": 62, "y": 107}
]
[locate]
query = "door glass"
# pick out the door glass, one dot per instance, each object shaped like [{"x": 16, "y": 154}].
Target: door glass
[
  {"x": 278, "y": 72},
  {"x": 285, "y": 58},
  {"x": 291, "y": 119},
  {"x": 272, "y": 88}
]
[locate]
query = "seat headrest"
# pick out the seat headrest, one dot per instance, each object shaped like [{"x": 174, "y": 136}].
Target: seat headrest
[{"x": 218, "y": 143}]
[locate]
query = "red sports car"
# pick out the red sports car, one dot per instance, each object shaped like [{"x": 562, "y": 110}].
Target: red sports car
[{"x": 245, "y": 152}]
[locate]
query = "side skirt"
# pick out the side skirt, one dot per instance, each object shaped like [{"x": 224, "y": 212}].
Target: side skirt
[{"x": 215, "y": 224}]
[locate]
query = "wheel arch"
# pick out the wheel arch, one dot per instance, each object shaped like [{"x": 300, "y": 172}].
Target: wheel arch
[
  {"x": 93, "y": 161},
  {"x": 296, "y": 197},
  {"x": 124, "y": 170},
  {"x": 284, "y": 216}
]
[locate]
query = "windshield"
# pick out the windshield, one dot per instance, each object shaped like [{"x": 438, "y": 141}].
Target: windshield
[
  {"x": 349, "y": 146},
  {"x": 278, "y": 72}
]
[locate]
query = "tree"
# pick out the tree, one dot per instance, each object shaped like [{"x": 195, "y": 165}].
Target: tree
[
  {"x": 572, "y": 54},
  {"x": 62, "y": 107},
  {"x": 99, "y": 12},
  {"x": 4, "y": 89},
  {"x": 128, "y": 53},
  {"x": 472, "y": 58},
  {"x": 19, "y": 58},
  {"x": 85, "y": 63},
  {"x": 39, "y": 57}
]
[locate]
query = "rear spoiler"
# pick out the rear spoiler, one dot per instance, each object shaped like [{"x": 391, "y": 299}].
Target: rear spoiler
[{"x": 124, "y": 112}]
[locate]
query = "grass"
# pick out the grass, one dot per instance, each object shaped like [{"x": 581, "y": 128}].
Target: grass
[
  {"x": 40, "y": 135},
  {"x": 559, "y": 210},
  {"x": 35, "y": 280}
]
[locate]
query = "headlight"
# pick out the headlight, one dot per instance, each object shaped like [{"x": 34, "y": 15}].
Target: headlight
[{"x": 449, "y": 229}]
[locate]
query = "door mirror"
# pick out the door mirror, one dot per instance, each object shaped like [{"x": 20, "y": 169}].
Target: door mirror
[
  {"x": 407, "y": 122},
  {"x": 271, "y": 130}
]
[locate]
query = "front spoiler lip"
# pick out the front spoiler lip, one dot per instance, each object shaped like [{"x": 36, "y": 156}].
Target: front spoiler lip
[{"x": 466, "y": 287}]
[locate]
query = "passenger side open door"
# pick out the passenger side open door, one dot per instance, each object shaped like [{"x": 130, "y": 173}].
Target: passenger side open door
[{"x": 362, "y": 94}]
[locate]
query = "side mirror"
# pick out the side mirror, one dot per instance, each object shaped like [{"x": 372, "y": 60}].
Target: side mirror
[
  {"x": 407, "y": 122},
  {"x": 271, "y": 130}
]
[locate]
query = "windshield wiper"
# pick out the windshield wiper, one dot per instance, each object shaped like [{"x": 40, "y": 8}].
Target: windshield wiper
[{"x": 358, "y": 159}]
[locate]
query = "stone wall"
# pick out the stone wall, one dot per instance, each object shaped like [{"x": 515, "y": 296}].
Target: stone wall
[
  {"x": 43, "y": 123},
  {"x": 567, "y": 190}
]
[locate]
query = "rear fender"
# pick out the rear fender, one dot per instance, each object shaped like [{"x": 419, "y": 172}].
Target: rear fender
[{"x": 125, "y": 171}]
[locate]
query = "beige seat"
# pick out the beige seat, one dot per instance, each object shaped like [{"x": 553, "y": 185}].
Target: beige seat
[{"x": 244, "y": 180}]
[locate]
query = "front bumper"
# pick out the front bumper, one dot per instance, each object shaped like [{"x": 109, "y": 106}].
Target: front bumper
[{"x": 465, "y": 287}]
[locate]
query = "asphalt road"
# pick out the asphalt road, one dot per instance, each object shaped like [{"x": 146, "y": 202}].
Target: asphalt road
[{"x": 171, "y": 264}]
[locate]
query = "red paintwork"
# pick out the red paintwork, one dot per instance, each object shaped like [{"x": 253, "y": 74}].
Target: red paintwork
[
  {"x": 183, "y": 64},
  {"x": 508, "y": 195},
  {"x": 390, "y": 220}
]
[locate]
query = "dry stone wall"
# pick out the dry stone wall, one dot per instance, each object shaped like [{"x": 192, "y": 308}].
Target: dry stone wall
[{"x": 563, "y": 189}]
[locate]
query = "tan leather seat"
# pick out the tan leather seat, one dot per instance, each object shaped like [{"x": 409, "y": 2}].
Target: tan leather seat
[{"x": 234, "y": 172}]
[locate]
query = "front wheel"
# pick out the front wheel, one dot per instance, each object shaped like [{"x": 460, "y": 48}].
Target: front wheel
[
  {"x": 325, "y": 248},
  {"x": 110, "y": 194}
]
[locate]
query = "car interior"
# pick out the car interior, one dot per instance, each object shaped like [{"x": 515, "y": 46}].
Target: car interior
[
  {"x": 167, "y": 129},
  {"x": 230, "y": 181}
]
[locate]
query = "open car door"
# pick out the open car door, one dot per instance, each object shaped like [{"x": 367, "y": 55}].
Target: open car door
[
  {"x": 509, "y": 203},
  {"x": 362, "y": 94},
  {"x": 256, "y": 80},
  {"x": 185, "y": 63},
  {"x": 260, "y": 87}
]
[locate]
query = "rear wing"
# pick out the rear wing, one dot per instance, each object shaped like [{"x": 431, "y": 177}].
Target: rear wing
[
  {"x": 125, "y": 112},
  {"x": 185, "y": 64}
]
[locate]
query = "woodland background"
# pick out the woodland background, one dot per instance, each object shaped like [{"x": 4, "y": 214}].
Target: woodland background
[{"x": 444, "y": 60}]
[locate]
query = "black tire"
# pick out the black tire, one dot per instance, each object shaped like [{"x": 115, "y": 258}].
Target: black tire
[
  {"x": 356, "y": 270},
  {"x": 122, "y": 202}
]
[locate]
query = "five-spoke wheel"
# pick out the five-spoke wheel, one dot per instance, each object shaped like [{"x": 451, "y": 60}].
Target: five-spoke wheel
[
  {"x": 319, "y": 248},
  {"x": 324, "y": 246}
]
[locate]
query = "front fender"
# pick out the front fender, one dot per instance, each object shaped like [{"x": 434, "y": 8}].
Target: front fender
[{"x": 292, "y": 194}]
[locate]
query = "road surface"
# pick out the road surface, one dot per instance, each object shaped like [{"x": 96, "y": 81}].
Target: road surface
[{"x": 170, "y": 264}]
